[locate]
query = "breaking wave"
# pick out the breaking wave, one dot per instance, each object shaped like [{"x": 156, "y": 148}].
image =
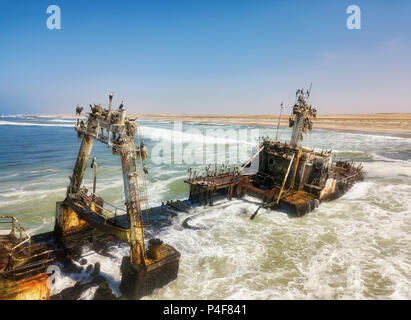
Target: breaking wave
[{"x": 11, "y": 123}]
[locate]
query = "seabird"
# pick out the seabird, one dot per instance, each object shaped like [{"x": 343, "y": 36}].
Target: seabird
[
  {"x": 79, "y": 110},
  {"x": 145, "y": 170}
]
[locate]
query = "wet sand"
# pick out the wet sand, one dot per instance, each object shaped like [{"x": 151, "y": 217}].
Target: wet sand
[{"x": 392, "y": 124}]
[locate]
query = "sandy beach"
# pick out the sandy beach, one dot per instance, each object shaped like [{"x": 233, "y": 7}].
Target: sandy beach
[{"x": 393, "y": 124}]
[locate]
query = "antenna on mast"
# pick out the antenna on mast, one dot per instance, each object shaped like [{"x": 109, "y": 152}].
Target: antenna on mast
[
  {"x": 279, "y": 118},
  {"x": 309, "y": 90}
]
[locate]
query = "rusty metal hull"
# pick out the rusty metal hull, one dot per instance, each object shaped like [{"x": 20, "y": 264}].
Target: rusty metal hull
[
  {"x": 162, "y": 267},
  {"x": 23, "y": 263},
  {"x": 289, "y": 178},
  {"x": 138, "y": 281},
  {"x": 81, "y": 211},
  {"x": 29, "y": 288}
]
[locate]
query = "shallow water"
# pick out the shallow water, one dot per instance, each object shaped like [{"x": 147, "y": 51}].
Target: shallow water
[{"x": 356, "y": 247}]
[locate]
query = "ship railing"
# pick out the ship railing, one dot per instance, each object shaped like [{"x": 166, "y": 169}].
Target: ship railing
[
  {"x": 349, "y": 177},
  {"x": 22, "y": 237},
  {"x": 105, "y": 213},
  {"x": 23, "y": 257},
  {"x": 30, "y": 265}
]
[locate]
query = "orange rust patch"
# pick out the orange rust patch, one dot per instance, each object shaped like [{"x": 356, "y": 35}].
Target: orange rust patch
[
  {"x": 31, "y": 288},
  {"x": 67, "y": 219},
  {"x": 299, "y": 197}
]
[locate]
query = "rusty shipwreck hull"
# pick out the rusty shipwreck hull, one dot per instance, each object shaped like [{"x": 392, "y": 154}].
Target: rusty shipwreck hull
[
  {"x": 31, "y": 283},
  {"x": 23, "y": 263},
  {"x": 301, "y": 202},
  {"x": 284, "y": 176},
  {"x": 82, "y": 216},
  {"x": 298, "y": 202}
]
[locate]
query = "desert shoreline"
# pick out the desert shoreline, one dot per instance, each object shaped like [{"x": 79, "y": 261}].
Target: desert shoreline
[
  {"x": 387, "y": 124},
  {"x": 384, "y": 124}
]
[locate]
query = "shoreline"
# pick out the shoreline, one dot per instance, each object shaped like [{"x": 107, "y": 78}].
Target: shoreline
[
  {"x": 385, "y": 124},
  {"x": 403, "y": 135}
]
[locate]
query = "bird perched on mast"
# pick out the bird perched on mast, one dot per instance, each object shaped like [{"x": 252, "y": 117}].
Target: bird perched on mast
[{"x": 79, "y": 110}]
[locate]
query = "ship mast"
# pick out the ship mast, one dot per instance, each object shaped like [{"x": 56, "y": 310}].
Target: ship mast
[
  {"x": 301, "y": 117},
  {"x": 279, "y": 119}
]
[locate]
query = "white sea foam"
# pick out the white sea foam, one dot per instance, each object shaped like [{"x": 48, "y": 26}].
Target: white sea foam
[
  {"x": 188, "y": 136},
  {"x": 15, "y": 196},
  {"x": 12, "y": 123},
  {"x": 62, "y": 120},
  {"x": 391, "y": 169},
  {"x": 321, "y": 256}
]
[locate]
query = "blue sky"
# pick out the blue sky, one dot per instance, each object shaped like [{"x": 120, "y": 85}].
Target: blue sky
[{"x": 205, "y": 57}]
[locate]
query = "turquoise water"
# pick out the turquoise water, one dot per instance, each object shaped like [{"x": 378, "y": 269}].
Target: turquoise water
[{"x": 356, "y": 247}]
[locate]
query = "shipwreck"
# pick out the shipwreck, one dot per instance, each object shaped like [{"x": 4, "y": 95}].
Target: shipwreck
[
  {"x": 84, "y": 218},
  {"x": 285, "y": 176}
]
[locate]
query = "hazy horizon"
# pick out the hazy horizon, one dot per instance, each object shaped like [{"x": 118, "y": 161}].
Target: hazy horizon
[
  {"x": 284, "y": 114},
  {"x": 205, "y": 57}
]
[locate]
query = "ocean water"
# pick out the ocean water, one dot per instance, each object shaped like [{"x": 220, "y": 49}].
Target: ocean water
[{"x": 356, "y": 247}]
